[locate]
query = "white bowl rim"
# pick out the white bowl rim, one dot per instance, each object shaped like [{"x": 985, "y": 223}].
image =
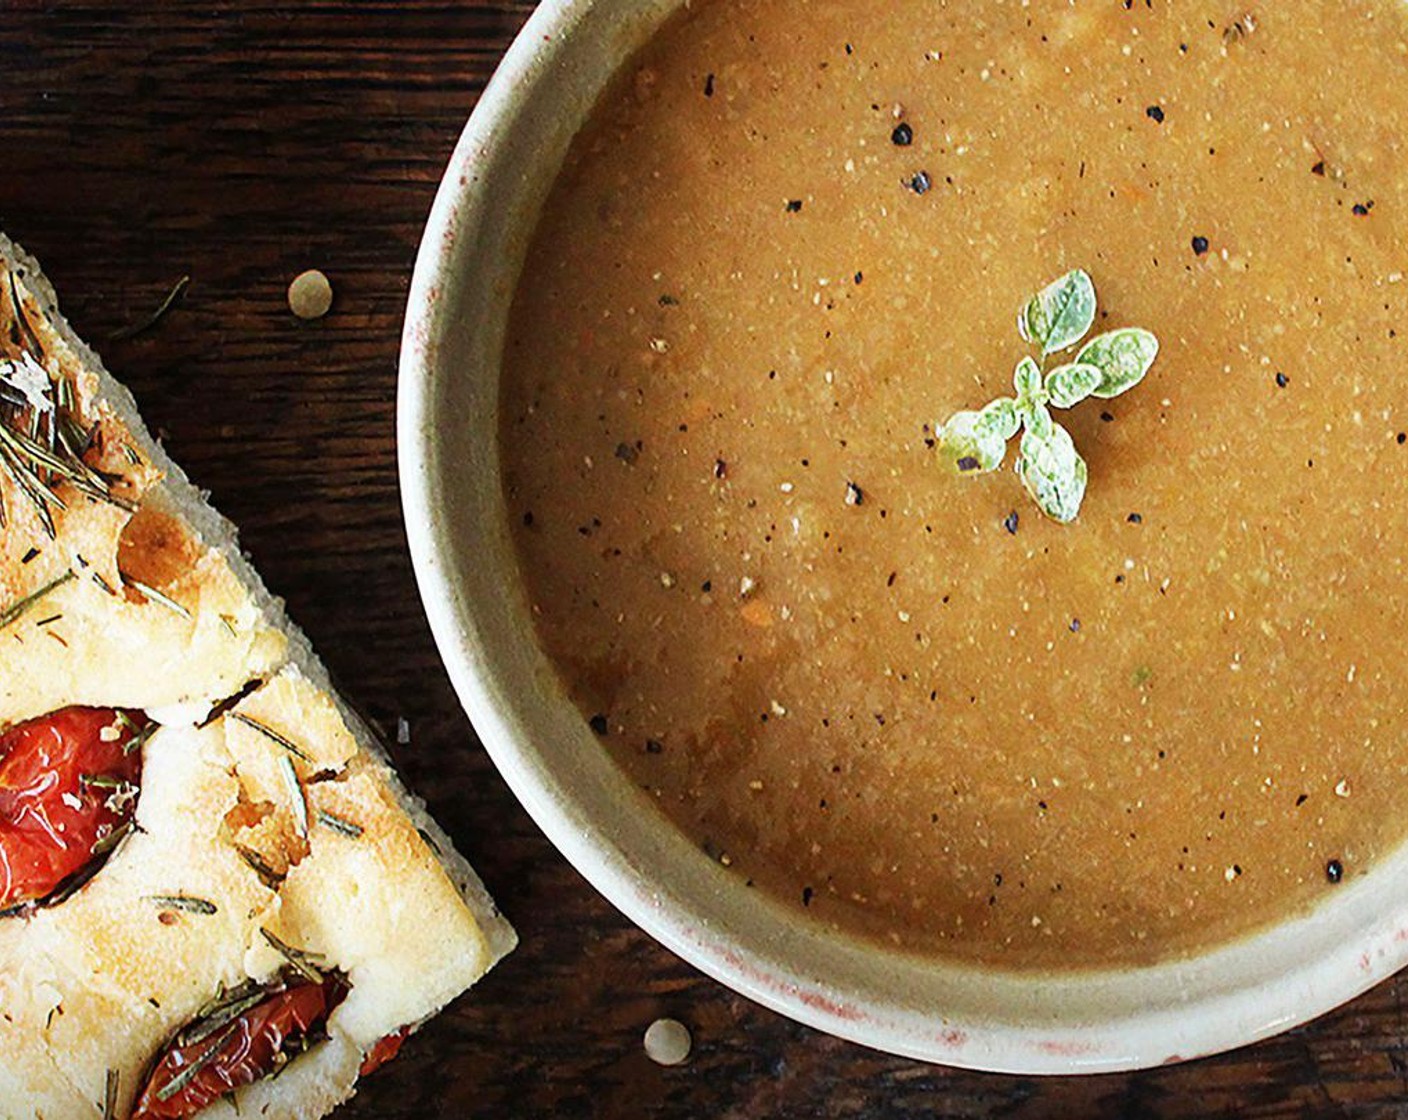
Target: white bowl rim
[{"x": 1331, "y": 976}]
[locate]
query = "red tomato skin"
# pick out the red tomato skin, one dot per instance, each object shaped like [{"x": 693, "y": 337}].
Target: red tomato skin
[
  {"x": 242, "y": 1056},
  {"x": 382, "y": 1051},
  {"x": 50, "y": 818}
]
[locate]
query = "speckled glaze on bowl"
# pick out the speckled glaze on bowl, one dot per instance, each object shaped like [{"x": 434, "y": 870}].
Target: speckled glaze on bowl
[{"x": 457, "y": 524}]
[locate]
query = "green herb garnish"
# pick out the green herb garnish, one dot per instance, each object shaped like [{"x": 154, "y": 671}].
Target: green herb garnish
[
  {"x": 337, "y": 824},
  {"x": 43, "y": 441},
  {"x": 173, "y": 297},
  {"x": 270, "y": 733},
  {"x": 106, "y": 845},
  {"x": 110, "y": 1086},
  {"x": 220, "y": 1011},
  {"x": 1054, "y": 320},
  {"x": 267, "y": 875},
  {"x": 155, "y": 596},
  {"x": 306, "y": 964},
  {"x": 188, "y": 903},
  {"x": 295, "y": 793},
  {"x": 187, "y": 1075},
  {"x": 15, "y": 610}
]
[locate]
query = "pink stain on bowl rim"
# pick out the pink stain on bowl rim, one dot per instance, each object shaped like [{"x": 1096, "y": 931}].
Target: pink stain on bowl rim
[
  {"x": 1067, "y": 1048},
  {"x": 808, "y": 996}
]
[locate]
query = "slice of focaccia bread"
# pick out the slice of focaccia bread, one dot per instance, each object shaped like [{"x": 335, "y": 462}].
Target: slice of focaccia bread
[{"x": 216, "y": 898}]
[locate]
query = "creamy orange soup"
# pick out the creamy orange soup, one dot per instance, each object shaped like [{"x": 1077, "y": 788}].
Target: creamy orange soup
[{"x": 794, "y": 236}]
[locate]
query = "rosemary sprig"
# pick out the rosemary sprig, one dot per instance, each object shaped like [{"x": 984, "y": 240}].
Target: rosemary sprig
[
  {"x": 185, "y": 902},
  {"x": 337, "y": 824},
  {"x": 27, "y": 336},
  {"x": 157, "y": 597},
  {"x": 104, "y": 845},
  {"x": 269, "y": 732},
  {"x": 137, "y": 736},
  {"x": 225, "y": 1008},
  {"x": 101, "y": 781},
  {"x": 114, "y": 1078},
  {"x": 304, "y": 963},
  {"x": 42, "y": 441},
  {"x": 267, "y": 875},
  {"x": 296, "y": 795},
  {"x": 173, "y": 297},
  {"x": 187, "y": 1075},
  {"x": 13, "y": 612}
]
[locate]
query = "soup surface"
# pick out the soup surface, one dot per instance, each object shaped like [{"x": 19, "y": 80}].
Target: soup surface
[{"x": 903, "y": 700}]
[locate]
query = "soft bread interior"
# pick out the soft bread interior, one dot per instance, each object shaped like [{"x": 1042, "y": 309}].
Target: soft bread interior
[{"x": 158, "y": 610}]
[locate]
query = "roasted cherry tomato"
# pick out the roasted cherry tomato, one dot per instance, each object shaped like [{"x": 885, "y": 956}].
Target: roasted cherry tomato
[
  {"x": 253, "y": 1044},
  {"x": 382, "y": 1051},
  {"x": 68, "y": 785}
]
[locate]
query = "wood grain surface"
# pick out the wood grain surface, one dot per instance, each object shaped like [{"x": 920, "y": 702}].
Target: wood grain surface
[{"x": 242, "y": 142}]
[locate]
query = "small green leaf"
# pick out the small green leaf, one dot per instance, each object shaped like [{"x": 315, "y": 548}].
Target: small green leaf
[
  {"x": 1060, "y": 314},
  {"x": 1001, "y": 418},
  {"x": 1036, "y": 419},
  {"x": 971, "y": 442},
  {"x": 1068, "y": 385},
  {"x": 1053, "y": 473},
  {"x": 1123, "y": 358},
  {"x": 1026, "y": 379}
]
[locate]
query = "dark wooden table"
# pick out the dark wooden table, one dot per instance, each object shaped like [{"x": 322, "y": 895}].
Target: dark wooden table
[{"x": 243, "y": 142}]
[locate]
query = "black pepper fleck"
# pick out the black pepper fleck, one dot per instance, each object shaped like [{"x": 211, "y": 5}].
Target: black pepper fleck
[
  {"x": 1135, "y": 519},
  {"x": 855, "y": 496},
  {"x": 598, "y": 723},
  {"x": 1010, "y": 522},
  {"x": 528, "y": 520},
  {"x": 654, "y": 746},
  {"x": 1361, "y": 209},
  {"x": 968, "y": 463},
  {"x": 720, "y": 468},
  {"x": 709, "y": 86},
  {"x": 1282, "y": 380},
  {"x": 1402, "y": 437},
  {"x": 1155, "y": 114},
  {"x": 859, "y": 277},
  {"x": 921, "y": 182},
  {"x": 1075, "y": 626},
  {"x": 794, "y": 205},
  {"x": 626, "y": 453},
  {"x": 1200, "y": 245},
  {"x": 807, "y": 894},
  {"x": 1318, "y": 168},
  {"x": 1107, "y": 417},
  {"x": 1334, "y": 871},
  {"x": 903, "y": 136}
]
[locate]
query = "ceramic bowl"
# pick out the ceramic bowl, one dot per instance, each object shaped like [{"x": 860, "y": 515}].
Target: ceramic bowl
[{"x": 457, "y": 524}]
